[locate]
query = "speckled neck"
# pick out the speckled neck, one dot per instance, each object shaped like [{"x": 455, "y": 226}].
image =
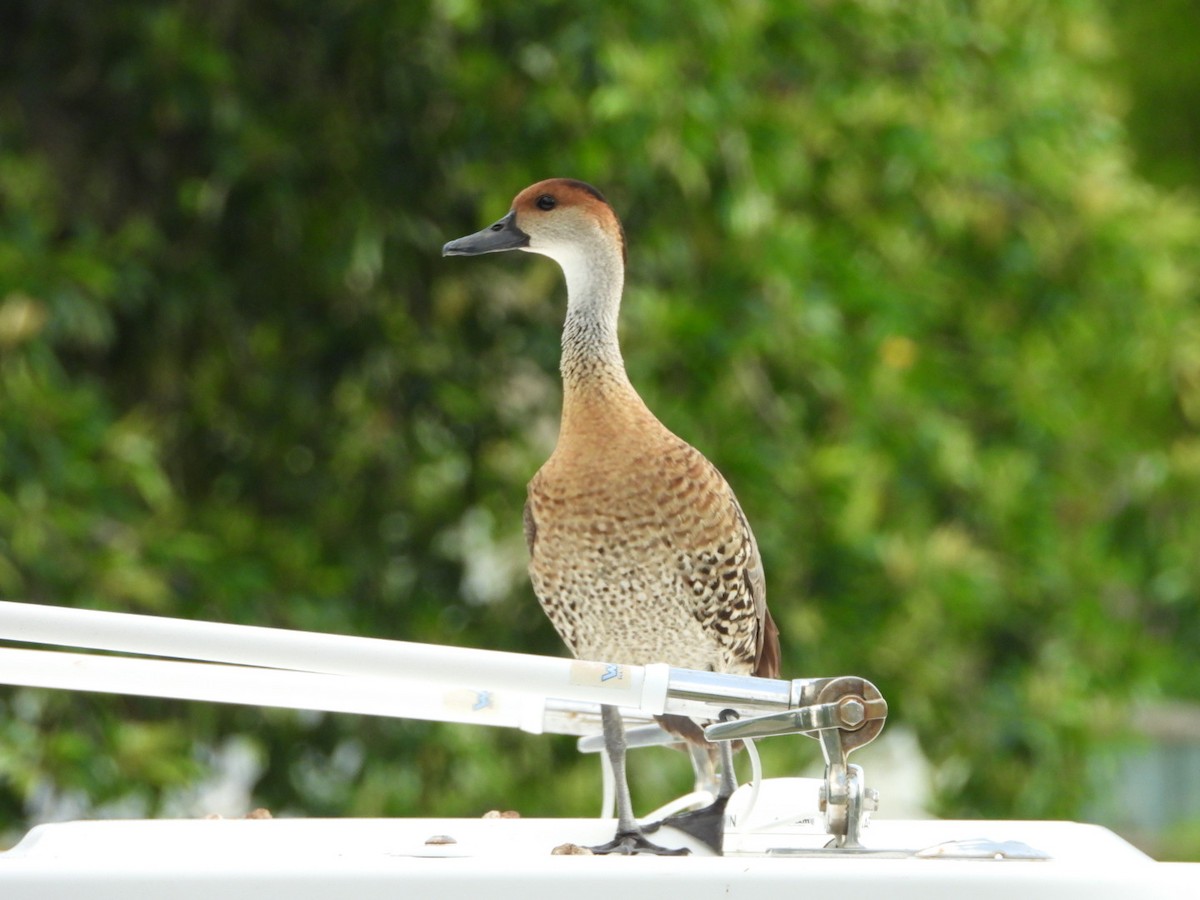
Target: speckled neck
[
  {"x": 595, "y": 383},
  {"x": 590, "y": 348}
]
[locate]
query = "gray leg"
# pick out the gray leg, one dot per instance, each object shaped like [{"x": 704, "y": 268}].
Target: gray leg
[
  {"x": 629, "y": 838},
  {"x": 614, "y": 746},
  {"x": 728, "y": 776}
]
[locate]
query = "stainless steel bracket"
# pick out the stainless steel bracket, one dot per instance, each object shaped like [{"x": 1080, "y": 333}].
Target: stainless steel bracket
[{"x": 843, "y": 714}]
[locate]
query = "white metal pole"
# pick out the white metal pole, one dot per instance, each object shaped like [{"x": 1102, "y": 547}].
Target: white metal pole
[
  {"x": 219, "y": 683},
  {"x": 635, "y": 687}
]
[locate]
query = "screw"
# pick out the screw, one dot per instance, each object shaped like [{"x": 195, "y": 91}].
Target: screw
[{"x": 852, "y": 711}]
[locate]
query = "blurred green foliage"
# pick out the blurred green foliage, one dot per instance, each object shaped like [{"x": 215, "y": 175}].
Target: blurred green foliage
[
  {"x": 890, "y": 268},
  {"x": 1156, "y": 59}
]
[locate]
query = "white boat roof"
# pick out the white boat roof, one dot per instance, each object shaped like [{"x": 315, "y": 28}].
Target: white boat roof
[
  {"x": 510, "y": 858},
  {"x": 775, "y": 843}
]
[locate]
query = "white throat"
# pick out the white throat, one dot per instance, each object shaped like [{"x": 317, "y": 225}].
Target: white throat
[{"x": 595, "y": 278}]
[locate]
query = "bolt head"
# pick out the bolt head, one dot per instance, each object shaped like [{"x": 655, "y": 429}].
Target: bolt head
[{"x": 852, "y": 712}]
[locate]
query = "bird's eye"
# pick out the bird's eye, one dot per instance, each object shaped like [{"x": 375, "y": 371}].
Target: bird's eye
[{"x": 546, "y": 202}]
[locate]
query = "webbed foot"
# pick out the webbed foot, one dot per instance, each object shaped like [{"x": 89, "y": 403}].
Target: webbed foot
[
  {"x": 706, "y": 825},
  {"x": 630, "y": 843}
]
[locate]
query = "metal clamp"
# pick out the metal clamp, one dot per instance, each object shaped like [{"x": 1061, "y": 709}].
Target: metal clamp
[{"x": 843, "y": 714}]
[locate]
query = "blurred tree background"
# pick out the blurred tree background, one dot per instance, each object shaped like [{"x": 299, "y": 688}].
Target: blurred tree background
[{"x": 921, "y": 278}]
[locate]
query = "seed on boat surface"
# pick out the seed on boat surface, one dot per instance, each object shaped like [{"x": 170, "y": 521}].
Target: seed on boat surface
[{"x": 440, "y": 839}]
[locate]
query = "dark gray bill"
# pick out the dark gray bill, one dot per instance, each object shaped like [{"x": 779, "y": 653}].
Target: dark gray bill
[{"x": 504, "y": 235}]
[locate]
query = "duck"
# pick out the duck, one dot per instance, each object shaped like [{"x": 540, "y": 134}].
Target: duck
[{"x": 639, "y": 551}]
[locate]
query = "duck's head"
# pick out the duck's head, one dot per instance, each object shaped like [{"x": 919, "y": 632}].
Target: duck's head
[{"x": 561, "y": 218}]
